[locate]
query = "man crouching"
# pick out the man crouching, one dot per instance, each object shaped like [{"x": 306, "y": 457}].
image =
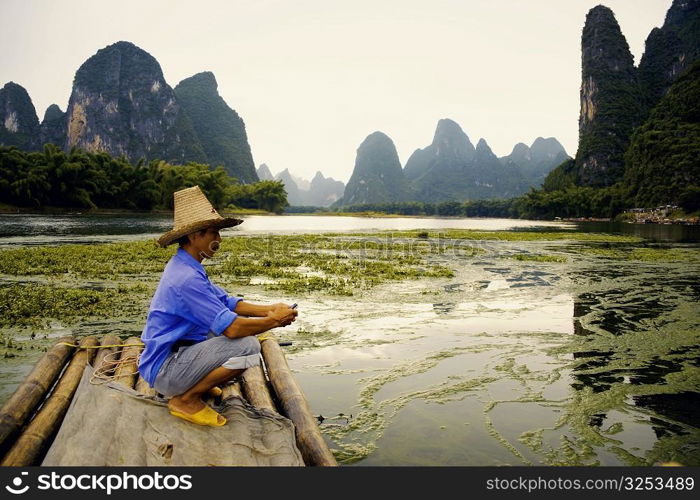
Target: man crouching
[{"x": 197, "y": 336}]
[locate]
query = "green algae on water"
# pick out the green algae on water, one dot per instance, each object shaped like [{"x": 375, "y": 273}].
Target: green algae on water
[
  {"x": 537, "y": 257},
  {"x": 469, "y": 234},
  {"x": 34, "y": 305},
  {"x": 632, "y": 347},
  {"x": 86, "y": 261},
  {"x": 646, "y": 254}
]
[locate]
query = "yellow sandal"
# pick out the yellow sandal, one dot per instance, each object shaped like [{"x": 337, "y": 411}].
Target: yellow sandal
[
  {"x": 205, "y": 416},
  {"x": 215, "y": 392}
]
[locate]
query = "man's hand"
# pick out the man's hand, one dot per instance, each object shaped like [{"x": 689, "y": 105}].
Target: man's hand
[
  {"x": 279, "y": 305},
  {"x": 283, "y": 314}
]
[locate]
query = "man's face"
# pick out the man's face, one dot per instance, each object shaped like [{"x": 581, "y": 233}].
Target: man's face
[{"x": 206, "y": 243}]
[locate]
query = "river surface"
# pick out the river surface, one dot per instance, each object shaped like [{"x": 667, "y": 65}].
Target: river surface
[
  {"x": 585, "y": 359},
  {"x": 39, "y": 229}
]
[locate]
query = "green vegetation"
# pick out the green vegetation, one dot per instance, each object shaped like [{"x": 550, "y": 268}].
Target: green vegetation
[
  {"x": 299, "y": 263},
  {"x": 35, "y": 305},
  {"x": 86, "y": 261},
  {"x": 572, "y": 381},
  {"x": 79, "y": 179},
  {"x": 475, "y": 208},
  {"x": 296, "y": 264},
  {"x": 663, "y": 160},
  {"x": 537, "y": 258},
  {"x": 574, "y": 201},
  {"x": 661, "y": 165},
  {"x": 331, "y": 264},
  {"x": 645, "y": 254},
  {"x": 561, "y": 178},
  {"x": 614, "y": 103},
  {"x": 469, "y": 234}
]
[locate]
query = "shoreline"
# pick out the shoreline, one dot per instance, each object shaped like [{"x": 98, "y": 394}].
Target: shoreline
[{"x": 60, "y": 211}]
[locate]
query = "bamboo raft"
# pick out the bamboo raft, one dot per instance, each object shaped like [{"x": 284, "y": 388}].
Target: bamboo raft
[{"x": 32, "y": 416}]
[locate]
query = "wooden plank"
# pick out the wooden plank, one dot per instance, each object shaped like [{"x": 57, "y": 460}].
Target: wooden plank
[
  {"x": 127, "y": 369},
  {"x": 30, "y": 446},
  {"x": 29, "y": 394},
  {"x": 309, "y": 439}
]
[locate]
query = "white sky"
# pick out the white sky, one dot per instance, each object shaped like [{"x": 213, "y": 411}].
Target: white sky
[{"x": 312, "y": 78}]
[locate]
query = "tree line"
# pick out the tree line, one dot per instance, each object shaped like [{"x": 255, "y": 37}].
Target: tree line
[
  {"x": 566, "y": 201},
  {"x": 477, "y": 208},
  {"x": 80, "y": 179}
]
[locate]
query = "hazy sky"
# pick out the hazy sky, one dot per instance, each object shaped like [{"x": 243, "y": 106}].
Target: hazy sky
[{"x": 312, "y": 78}]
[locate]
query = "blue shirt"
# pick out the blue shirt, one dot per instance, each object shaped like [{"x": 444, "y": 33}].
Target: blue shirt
[{"x": 186, "y": 306}]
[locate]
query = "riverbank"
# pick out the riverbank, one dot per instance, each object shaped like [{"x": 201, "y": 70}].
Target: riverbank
[
  {"x": 660, "y": 215},
  {"x": 676, "y": 218}
]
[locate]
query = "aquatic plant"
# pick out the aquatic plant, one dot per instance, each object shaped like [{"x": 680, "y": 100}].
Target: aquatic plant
[
  {"x": 35, "y": 305},
  {"x": 537, "y": 257},
  {"x": 86, "y": 261},
  {"x": 644, "y": 254},
  {"x": 469, "y": 234}
]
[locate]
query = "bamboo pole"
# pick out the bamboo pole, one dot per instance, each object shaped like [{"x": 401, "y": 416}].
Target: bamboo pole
[
  {"x": 127, "y": 369},
  {"x": 256, "y": 390},
  {"x": 31, "y": 444},
  {"x": 143, "y": 388},
  {"x": 101, "y": 362},
  {"x": 22, "y": 403},
  {"x": 309, "y": 439},
  {"x": 231, "y": 390}
]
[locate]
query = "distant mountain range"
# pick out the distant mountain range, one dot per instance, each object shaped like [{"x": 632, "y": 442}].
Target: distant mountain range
[
  {"x": 120, "y": 103},
  {"x": 638, "y": 127},
  {"x": 639, "y": 132},
  {"x": 449, "y": 169},
  {"x": 319, "y": 192}
]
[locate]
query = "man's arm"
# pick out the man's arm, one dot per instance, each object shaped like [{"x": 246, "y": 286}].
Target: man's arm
[
  {"x": 255, "y": 310},
  {"x": 244, "y": 327}
]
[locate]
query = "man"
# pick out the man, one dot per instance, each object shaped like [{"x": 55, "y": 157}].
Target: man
[{"x": 196, "y": 336}]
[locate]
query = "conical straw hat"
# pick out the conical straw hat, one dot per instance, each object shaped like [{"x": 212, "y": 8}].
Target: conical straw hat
[{"x": 193, "y": 212}]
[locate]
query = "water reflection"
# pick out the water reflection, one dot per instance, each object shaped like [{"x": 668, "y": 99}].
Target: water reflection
[
  {"x": 682, "y": 407},
  {"x": 653, "y": 232},
  {"x": 13, "y": 225}
]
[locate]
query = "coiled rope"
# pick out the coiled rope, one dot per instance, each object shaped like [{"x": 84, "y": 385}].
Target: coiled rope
[{"x": 110, "y": 363}]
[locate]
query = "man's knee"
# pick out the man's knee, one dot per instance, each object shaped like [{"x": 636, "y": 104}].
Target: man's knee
[
  {"x": 247, "y": 346},
  {"x": 246, "y": 354},
  {"x": 251, "y": 345}
]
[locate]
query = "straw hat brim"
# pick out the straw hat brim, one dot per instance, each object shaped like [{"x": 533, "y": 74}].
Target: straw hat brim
[{"x": 218, "y": 223}]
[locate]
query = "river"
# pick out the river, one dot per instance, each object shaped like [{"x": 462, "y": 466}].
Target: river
[{"x": 582, "y": 358}]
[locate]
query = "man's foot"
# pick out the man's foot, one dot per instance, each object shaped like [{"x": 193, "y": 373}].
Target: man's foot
[
  {"x": 200, "y": 414},
  {"x": 215, "y": 392},
  {"x": 205, "y": 416}
]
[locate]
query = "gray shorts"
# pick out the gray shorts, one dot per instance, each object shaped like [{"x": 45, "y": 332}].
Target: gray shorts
[{"x": 184, "y": 368}]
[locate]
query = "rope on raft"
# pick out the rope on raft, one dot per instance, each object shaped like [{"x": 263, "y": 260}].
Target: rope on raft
[{"x": 105, "y": 372}]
